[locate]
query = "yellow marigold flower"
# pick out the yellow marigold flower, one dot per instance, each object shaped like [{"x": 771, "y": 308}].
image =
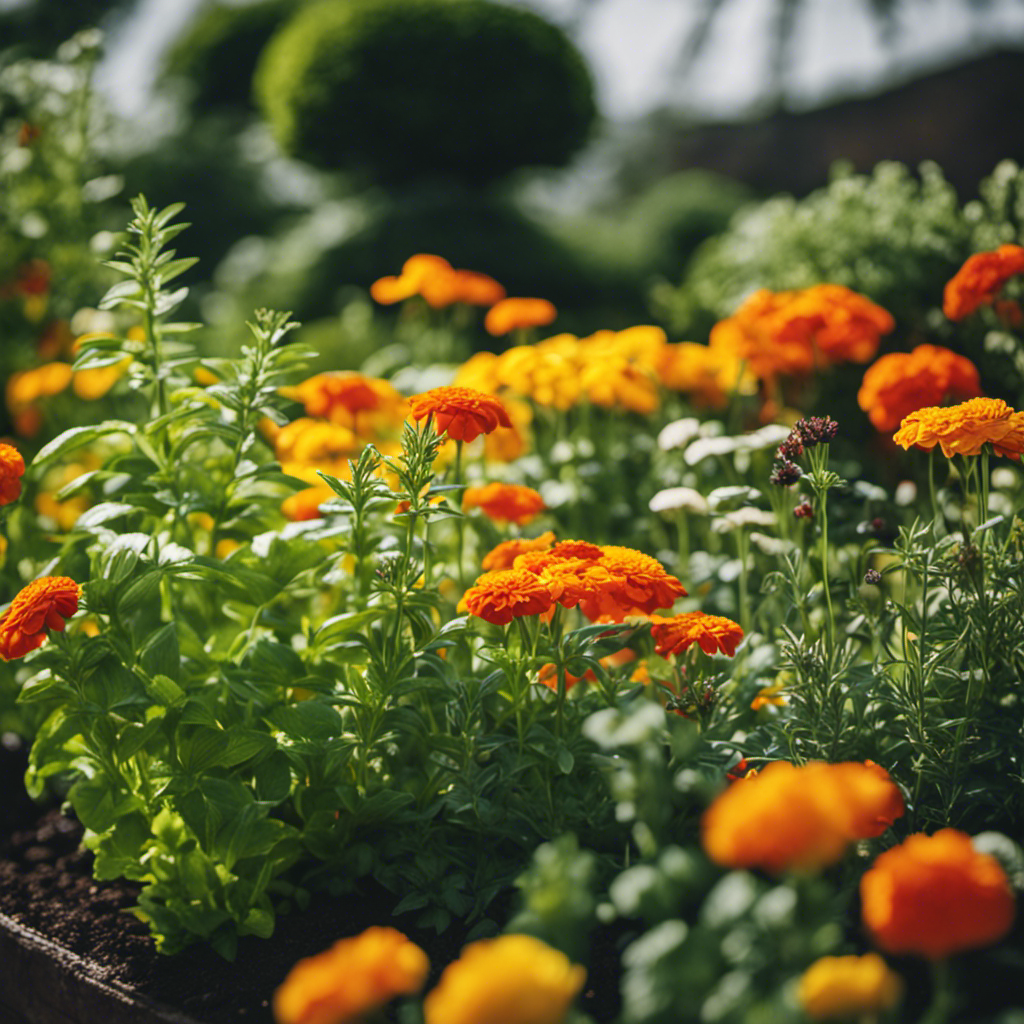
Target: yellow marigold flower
[
  {"x": 903, "y": 382},
  {"x": 504, "y": 555},
  {"x": 28, "y": 386},
  {"x": 714, "y": 633},
  {"x": 546, "y": 376},
  {"x": 770, "y": 696},
  {"x": 616, "y": 383},
  {"x": 12, "y": 469},
  {"x": 315, "y": 442},
  {"x": 499, "y": 597},
  {"x": 462, "y": 413},
  {"x": 517, "y": 314},
  {"x": 935, "y": 896},
  {"x": 305, "y": 504},
  {"x": 511, "y": 503},
  {"x": 479, "y": 372},
  {"x": 41, "y": 605},
  {"x": 506, "y": 444},
  {"x": 839, "y": 987},
  {"x": 513, "y": 979},
  {"x": 963, "y": 429},
  {"x": 353, "y": 977},
  {"x": 708, "y": 375},
  {"x": 96, "y": 382},
  {"x": 980, "y": 279}
]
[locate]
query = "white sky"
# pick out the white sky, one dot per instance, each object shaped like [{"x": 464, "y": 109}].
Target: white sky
[{"x": 631, "y": 45}]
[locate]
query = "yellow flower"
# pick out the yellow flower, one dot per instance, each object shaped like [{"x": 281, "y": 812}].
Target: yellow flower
[
  {"x": 514, "y": 979},
  {"x": 96, "y": 382},
  {"x": 964, "y": 429},
  {"x": 848, "y": 986}
]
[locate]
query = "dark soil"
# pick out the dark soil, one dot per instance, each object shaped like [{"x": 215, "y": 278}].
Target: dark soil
[{"x": 46, "y": 884}]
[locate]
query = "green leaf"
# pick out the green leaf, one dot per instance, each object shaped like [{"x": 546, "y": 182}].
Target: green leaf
[
  {"x": 164, "y": 690},
  {"x": 77, "y": 437}
]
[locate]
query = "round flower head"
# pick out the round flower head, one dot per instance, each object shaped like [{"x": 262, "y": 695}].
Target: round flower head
[
  {"x": 845, "y": 987},
  {"x": 351, "y": 978},
  {"x": 462, "y": 413},
  {"x": 980, "y": 280},
  {"x": 639, "y": 584},
  {"x": 714, "y": 633},
  {"x": 934, "y": 896},
  {"x": 44, "y": 604},
  {"x": 963, "y": 429},
  {"x": 417, "y": 272},
  {"x": 12, "y": 468},
  {"x": 796, "y": 818},
  {"x": 508, "y": 594},
  {"x": 512, "y": 503},
  {"x": 903, "y": 382},
  {"x": 708, "y": 375},
  {"x": 339, "y": 396},
  {"x": 515, "y": 314},
  {"x": 513, "y": 979},
  {"x": 505, "y": 554}
]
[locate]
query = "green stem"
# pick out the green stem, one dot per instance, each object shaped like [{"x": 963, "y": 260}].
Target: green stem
[
  {"x": 941, "y": 1008},
  {"x": 460, "y": 523}
]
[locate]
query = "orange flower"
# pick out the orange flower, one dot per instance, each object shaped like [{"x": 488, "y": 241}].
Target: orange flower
[
  {"x": 548, "y": 675},
  {"x": 44, "y": 604},
  {"x": 934, "y": 896},
  {"x": 508, "y": 594},
  {"x": 788, "y": 817},
  {"x": 505, "y": 554},
  {"x": 708, "y": 375},
  {"x": 340, "y": 397},
  {"x": 304, "y": 505},
  {"x": 963, "y": 429},
  {"x": 416, "y": 271},
  {"x": 616, "y": 383},
  {"x": 28, "y": 386},
  {"x": 513, "y": 979},
  {"x": 639, "y": 584},
  {"x": 315, "y": 443},
  {"x": 463, "y": 413},
  {"x": 351, "y": 978},
  {"x": 714, "y": 633},
  {"x": 512, "y": 503},
  {"x": 846, "y": 987},
  {"x": 843, "y": 326},
  {"x": 903, "y": 382},
  {"x": 473, "y": 289},
  {"x": 980, "y": 279},
  {"x": 12, "y": 468},
  {"x": 516, "y": 314}
]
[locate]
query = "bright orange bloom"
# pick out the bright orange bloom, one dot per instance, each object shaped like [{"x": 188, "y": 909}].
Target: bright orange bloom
[
  {"x": 315, "y": 443},
  {"x": 708, "y": 375},
  {"x": 842, "y": 325},
  {"x": 353, "y": 977},
  {"x": 788, "y": 817},
  {"x": 935, "y": 896},
  {"x": 508, "y": 594},
  {"x": 714, "y": 633},
  {"x": 341, "y": 396},
  {"x": 511, "y": 503},
  {"x": 516, "y": 314},
  {"x": 44, "y": 604},
  {"x": 616, "y": 383},
  {"x": 505, "y": 554},
  {"x": 12, "y": 468},
  {"x": 28, "y": 386},
  {"x": 416, "y": 272},
  {"x": 513, "y": 979},
  {"x": 476, "y": 289},
  {"x": 980, "y": 279},
  {"x": 462, "y": 413},
  {"x": 903, "y": 382},
  {"x": 639, "y": 584},
  {"x": 847, "y": 987},
  {"x": 963, "y": 429},
  {"x": 304, "y": 505}
]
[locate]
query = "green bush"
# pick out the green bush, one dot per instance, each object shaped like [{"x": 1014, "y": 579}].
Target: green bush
[
  {"x": 403, "y": 90},
  {"x": 218, "y": 51}
]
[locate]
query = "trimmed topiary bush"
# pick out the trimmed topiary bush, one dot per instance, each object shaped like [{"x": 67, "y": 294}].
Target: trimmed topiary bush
[
  {"x": 218, "y": 51},
  {"x": 403, "y": 90}
]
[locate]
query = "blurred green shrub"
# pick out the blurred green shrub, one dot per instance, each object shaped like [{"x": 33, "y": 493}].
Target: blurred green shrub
[
  {"x": 891, "y": 235},
  {"x": 406, "y": 90},
  {"x": 216, "y": 55}
]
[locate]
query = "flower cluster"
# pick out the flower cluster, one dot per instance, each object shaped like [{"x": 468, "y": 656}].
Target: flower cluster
[
  {"x": 511, "y": 503},
  {"x": 903, "y": 382},
  {"x": 799, "y": 818},
  {"x": 964, "y": 429}
]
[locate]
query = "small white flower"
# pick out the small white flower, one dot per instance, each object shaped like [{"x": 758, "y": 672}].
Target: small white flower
[
  {"x": 906, "y": 493},
  {"x": 770, "y": 436},
  {"x": 705, "y": 446},
  {"x": 732, "y": 495},
  {"x": 771, "y": 545},
  {"x": 678, "y": 434},
  {"x": 740, "y": 517},
  {"x": 684, "y": 499},
  {"x": 1005, "y": 479}
]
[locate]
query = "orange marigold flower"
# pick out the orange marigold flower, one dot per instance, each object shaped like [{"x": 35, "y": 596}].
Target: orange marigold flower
[
  {"x": 44, "y": 604},
  {"x": 516, "y": 314},
  {"x": 708, "y": 375},
  {"x": 315, "y": 443},
  {"x": 416, "y": 271},
  {"x": 353, "y": 977},
  {"x": 12, "y": 468},
  {"x": 963, "y": 429},
  {"x": 935, "y": 896},
  {"x": 788, "y": 817},
  {"x": 639, "y": 584},
  {"x": 513, "y": 979},
  {"x": 511, "y": 503},
  {"x": 842, "y": 325},
  {"x": 499, "y": 597},
  {"x": 616, "y": 383},
  {"x": 305, "y": 504},
  {"x": 341, "y": 396},
  {"x": 28, "y": 386},
  {"x": 462, "y": 413},
  {"x": 980, "y": 279},
  {"x": 903, "y": 382},
  {"x": 847, "y": 987},
  {"x": 504, "y": 555},
  {"x": 476, "y": 289},
  {"x": 714, "y": 634}
]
